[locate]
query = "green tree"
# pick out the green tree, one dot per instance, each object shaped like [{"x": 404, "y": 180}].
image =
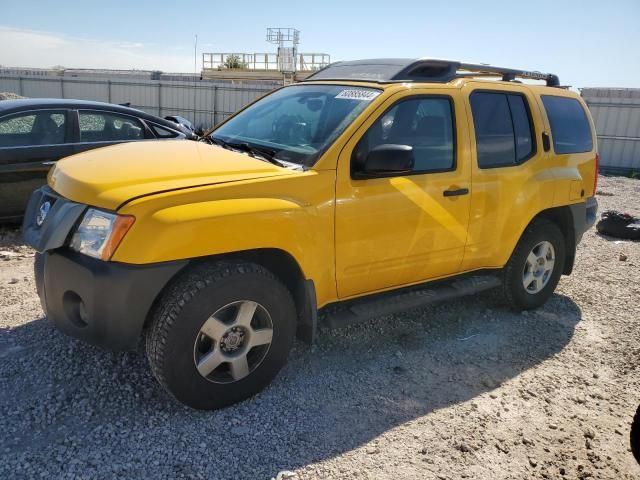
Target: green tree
[{"x": 233, "y": 61}]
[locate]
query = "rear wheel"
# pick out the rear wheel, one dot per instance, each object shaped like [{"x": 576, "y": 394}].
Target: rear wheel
[
  {"x": 535, "y": 267},
  {"x": 220, "y": 334}
]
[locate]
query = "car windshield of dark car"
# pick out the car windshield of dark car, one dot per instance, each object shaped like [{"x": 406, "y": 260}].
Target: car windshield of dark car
[{"x": 297, "y": 123}]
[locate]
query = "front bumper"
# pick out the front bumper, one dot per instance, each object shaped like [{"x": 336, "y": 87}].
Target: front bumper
[{"x": 102, "y": 303}]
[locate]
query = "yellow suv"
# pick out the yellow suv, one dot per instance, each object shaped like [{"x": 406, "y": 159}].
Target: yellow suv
[{"x": 358, "y": 188}]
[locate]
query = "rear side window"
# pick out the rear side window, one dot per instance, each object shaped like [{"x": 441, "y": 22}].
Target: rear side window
[
  {"x": 108, "y": 127},
  {"x": 570, "y": 129},
  {"x": 521, "y": 127},
  {"x": 504, "y": 134}
]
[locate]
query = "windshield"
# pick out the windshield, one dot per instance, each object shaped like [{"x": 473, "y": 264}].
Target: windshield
[{"x": 297, "y": 123}]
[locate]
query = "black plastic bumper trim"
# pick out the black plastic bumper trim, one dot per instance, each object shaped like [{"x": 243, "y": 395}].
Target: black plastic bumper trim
[
  {"x": 308, "y": 318},
  {"x": 58, "y": 223},
  {"x": 584, "y": 216},
  {"x": 102, "y": 303}
]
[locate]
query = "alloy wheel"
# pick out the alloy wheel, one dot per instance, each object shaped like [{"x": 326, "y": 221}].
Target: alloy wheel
[
  {"x": 233, "y": 342},
  {"x": 538, "y": 267}
]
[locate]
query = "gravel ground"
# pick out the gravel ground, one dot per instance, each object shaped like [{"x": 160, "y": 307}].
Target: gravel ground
[{"x": 462, "y": 390}]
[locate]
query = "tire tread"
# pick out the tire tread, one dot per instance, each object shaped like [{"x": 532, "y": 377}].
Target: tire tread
[
  {"x": 185, "y": 287},
  {"x": 509, "y": 277}
]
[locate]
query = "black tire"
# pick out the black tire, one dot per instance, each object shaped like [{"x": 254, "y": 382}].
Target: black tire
[
  {"x": 183, "y": 309},
  {"x": 634, "y": 436},
  {"x": 539, "y": 230}
]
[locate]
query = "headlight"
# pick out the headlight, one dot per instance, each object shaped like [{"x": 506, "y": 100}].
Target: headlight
[{"x": 100, "y": 233}]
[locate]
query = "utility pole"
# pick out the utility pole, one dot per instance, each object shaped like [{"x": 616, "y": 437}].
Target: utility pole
[{"x": 195, "y": 75}]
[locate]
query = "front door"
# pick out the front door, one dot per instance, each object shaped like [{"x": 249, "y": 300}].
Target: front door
[
  {"x": 30, "y": 143},
  {"x": 394, "y": 230}
]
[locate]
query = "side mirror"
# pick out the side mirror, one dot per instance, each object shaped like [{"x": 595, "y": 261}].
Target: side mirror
[
  {"x": 183, "y": 122},
  {"x": 389, "y": 159}
]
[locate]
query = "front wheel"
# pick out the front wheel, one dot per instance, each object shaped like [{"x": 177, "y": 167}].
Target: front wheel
[
  {"x": 220, "y": 334},
  {"x": 534, "y": 269}
]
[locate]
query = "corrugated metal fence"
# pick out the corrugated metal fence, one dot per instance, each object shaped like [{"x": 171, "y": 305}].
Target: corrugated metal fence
[
  {"x": 205, "y": 103},
  {"x": 616, "y": 113}
]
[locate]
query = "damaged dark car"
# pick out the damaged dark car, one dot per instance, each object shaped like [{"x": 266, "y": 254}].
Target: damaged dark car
[{"x": 36, "y": 133}]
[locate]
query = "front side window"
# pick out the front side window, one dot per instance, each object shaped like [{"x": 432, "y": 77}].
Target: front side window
[
  {"x": 44, "y": 127},
  {"x": 504, "y": 133},
  {"x": 297, "y": 123},
  {"x": 570, "y": 127},
  {"x": 108, "y": 127},
  {"x": 423, "y": 123}
]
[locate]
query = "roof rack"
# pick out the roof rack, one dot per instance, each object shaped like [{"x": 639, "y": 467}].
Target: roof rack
[{"x": 424, "y": 69}]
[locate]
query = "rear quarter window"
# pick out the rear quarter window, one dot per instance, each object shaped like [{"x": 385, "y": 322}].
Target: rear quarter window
[
  {"x": 162, "y": 132},
  {"x": 570, "y": 129}
]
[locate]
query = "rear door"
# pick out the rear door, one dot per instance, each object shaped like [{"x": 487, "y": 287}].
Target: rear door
[
  {"x": 511, "y": 175},
  {"x": 101, "y": 128},
  {"x": 30, "y": 143}
]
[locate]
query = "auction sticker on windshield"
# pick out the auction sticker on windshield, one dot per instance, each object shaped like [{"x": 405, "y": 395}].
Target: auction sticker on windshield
[{"x": 358, "y": 94}]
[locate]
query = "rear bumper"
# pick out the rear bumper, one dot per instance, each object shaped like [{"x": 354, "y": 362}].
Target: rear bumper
[
  {"x": 102, "y": 303},
  {"x": 584, "y": 217}
]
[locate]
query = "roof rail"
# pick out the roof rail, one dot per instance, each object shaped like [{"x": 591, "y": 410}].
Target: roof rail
[
  {"x": 423, "y": 69},
  {"x": 507, "y": 74}
]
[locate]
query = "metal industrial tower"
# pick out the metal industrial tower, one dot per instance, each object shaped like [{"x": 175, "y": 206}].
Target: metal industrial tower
[{"x": 287, "y": 40}]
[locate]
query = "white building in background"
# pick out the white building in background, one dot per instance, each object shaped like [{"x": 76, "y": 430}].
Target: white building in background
[{"x": 616, "y": 114}]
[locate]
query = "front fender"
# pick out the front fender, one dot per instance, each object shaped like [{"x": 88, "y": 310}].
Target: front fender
[
  {"x": 219, "y": 226},
  {"x": 302, "y": 228}
]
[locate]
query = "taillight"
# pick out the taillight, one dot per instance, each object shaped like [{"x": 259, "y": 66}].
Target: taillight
[{"x": 595, "y": 177}]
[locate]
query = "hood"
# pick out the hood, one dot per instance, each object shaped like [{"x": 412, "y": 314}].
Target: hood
[{"x": 108, "y": 177}]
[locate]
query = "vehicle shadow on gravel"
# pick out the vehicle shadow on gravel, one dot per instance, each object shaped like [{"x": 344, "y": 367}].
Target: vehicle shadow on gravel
[
  {"x": 62, "y": 400},
  {"x": 611, "y": 238}
]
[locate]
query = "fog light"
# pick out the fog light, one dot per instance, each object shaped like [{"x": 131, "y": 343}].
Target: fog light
[{"x": 75, "y": 309}]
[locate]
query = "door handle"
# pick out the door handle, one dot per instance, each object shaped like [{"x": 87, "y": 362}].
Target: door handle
[
  {"x": 456, "y": 192},
  {"x": 546, "y": 142},
  {"x": 48, "y": 163}
]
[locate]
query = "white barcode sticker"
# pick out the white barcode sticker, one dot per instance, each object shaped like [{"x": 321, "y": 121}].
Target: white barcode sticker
[{"x": 358, "y": 94}]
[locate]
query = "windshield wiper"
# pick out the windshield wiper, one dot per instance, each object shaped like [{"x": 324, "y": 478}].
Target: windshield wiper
[
  {"x": 261, "y": 153},
  {"x": 257, "y": 152},
  {"x": 265, "y": 152},
  {"x": 216, "y": 141}
]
